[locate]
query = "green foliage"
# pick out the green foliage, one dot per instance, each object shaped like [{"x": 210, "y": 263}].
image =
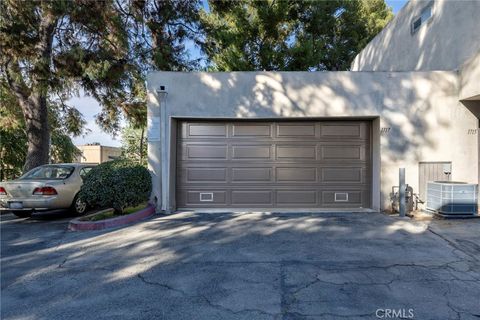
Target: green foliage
[
  {"x": 117, "y": 184},
  {"x": 62, "y": 149},
  {"x": 161, "y": 30},
  {"x": 12, "y": 153},
  {"x": 134, "y": 145},
  {"x": 109, "y": 214},
  {"x": 49, "y": 50},
  {"x": 289, "y": 35},
  {"x": 63, "y": 122}
]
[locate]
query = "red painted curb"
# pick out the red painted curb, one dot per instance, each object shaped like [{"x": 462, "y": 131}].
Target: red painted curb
[{"x": 79, "y": 225}]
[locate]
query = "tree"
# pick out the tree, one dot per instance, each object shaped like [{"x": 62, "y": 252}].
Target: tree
[
  {"x": 50, "y": 49},
  {"x": 63, "y": 122},
  {"x": 134, "y": 144},
  {"x": 289, "y": 35},
  {"x": 159, "y": 31}
]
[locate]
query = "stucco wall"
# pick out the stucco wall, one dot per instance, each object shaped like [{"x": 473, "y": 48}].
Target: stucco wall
[
  {"x": 449, "y": 38},
  {"x": 426, "y": 120},
  {"x": 110, "y": 153},
  {"x": 90, "y": 154},
  {"x": 97, "y": 153},
  {"x": 470, "y": 78}
]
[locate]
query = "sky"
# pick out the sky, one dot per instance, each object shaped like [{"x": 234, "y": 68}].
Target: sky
[{"x": 89, "y": 107}]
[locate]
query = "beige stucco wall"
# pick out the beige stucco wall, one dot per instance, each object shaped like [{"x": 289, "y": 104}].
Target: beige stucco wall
[
  {"x": 449, "y": 38},
  {"x": 110, "y": 153},
  {"x": 98, "y": 153},
  {"x": 90, "y": 154},
  {"x": 426, "y": 120}
]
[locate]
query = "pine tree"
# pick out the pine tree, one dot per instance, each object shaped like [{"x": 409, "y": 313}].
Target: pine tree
[
  {"x": 51, "y": 49},
  {"x": 289, "y": 35}
]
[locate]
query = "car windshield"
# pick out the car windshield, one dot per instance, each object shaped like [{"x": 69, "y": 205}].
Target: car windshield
[{"x": 49, "y": 172}]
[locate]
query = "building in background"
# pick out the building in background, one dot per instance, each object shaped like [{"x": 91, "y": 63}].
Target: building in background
[
  {"x": 425, "y": 35},
  {"x": 96, "y": 153}
]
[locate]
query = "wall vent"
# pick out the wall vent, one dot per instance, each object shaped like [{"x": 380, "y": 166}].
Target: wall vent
[
  {"x": 206, "y": 196},
  {"x": 341, "y": 196}
]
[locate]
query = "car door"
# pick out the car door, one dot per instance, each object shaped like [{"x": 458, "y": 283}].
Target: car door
[{"x": 84, "y": 171}]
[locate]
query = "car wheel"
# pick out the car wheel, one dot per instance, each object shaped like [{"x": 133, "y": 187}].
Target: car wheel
[
  {"x": 79, "y": 206},
  {"x": 22, "y": 214}
]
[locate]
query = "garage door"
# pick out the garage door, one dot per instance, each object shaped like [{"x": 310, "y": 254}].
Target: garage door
[{"x": 281, "y": 164}]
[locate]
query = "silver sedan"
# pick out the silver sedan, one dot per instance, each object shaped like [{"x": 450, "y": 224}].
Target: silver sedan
[{"x": 53, "y": 186}]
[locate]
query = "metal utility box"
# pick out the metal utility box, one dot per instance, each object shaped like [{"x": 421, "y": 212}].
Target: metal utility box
[{"x": 452, "y": 198}]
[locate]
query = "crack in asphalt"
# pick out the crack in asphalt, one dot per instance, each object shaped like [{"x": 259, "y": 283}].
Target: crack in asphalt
[
  {"x": 458, "y": 313},
  {"x": 166, "y": 286},
  {"x": 448, "y": 266},
  {"x": 284, "y": 304},
  {"x": 452, "y": 243},
  {"x": 201, "y": 296},
  {"x": 288, "y": 297}
]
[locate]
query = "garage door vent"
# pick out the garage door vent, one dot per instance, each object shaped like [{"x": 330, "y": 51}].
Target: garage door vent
[
  {"x": 341, "y": 197},
  {"x": 207, "y": 196}
]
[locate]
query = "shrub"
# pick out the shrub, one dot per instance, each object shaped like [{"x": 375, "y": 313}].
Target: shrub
[{"x": 117, "y": 184}]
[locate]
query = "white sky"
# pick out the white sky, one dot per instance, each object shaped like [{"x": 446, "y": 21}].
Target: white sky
[{"x": 89, "y": 107}]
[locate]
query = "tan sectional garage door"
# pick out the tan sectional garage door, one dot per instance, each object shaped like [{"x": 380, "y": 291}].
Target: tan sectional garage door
[{"x": 238, "y": 164}]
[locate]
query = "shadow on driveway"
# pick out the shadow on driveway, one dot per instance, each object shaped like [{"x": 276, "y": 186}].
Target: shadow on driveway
[{"x": 237, "y": 266}]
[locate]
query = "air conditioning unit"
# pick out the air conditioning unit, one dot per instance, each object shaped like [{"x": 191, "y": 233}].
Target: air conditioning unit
[{"x": 452, "y": 198}]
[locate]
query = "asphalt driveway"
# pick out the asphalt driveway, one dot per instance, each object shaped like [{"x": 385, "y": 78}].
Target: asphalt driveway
[{"x": 243, "y": 266}]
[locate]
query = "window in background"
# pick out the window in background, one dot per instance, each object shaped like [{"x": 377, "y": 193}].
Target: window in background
[{"x": 425, "y": 15}]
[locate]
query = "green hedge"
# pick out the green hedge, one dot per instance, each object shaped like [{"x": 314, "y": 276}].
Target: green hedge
[{"x": 117, "y": 184}]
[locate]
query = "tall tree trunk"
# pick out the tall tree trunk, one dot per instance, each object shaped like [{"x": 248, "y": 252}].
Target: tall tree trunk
[
  {"x": 34, "y": 105},
  {"x": 38, "y": 132},
  {"x": 2, "y": 167},
  {"x": 141, "y": 144}
]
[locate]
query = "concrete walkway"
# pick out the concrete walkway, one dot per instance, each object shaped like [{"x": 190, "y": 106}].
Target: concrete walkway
[{"x": 243, "y": 266}]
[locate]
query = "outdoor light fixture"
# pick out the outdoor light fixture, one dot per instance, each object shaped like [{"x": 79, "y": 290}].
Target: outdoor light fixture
[{"x": 162, "y": 90}]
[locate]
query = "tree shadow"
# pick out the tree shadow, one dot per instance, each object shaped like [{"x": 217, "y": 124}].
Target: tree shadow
[
  {"x": 228, "y": 265},
  {"x": 418, "y": 110}
]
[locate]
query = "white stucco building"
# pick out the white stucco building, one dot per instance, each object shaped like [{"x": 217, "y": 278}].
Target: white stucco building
[{"x": 324, "y": 140}]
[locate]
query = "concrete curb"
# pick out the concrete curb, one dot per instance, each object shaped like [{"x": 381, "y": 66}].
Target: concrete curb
[{"x": 79, "y": 225}]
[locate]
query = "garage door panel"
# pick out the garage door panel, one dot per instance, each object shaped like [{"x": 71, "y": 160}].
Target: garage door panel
[
  {"x": 252, "y": 197},
  {"x": 306, "y": 198},
  {"x": 296, "y": 174},
  {"x": 342, "y": 130},
  {"x": 273, "y": 164},
  {"x": 296, "y": 130},
  {"x": 342, "y": 175},
  {"x": 259, "y": 152},
  {"x": 207, "y": 130},
  {"x": 295, "y": 152},
  {"x": 251, "y": 130},
  {"x": 253, "y": 175},
  {"x": 205, "y": 151},
  {"x": 203, "y": 197},
  {"x": 345, "y": 198},
  {"x": 206, "y": 174},
  {"x": 342, "y": 152}
]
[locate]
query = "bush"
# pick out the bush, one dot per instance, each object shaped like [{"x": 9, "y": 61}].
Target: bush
[{"x": 117, "y": 184}]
